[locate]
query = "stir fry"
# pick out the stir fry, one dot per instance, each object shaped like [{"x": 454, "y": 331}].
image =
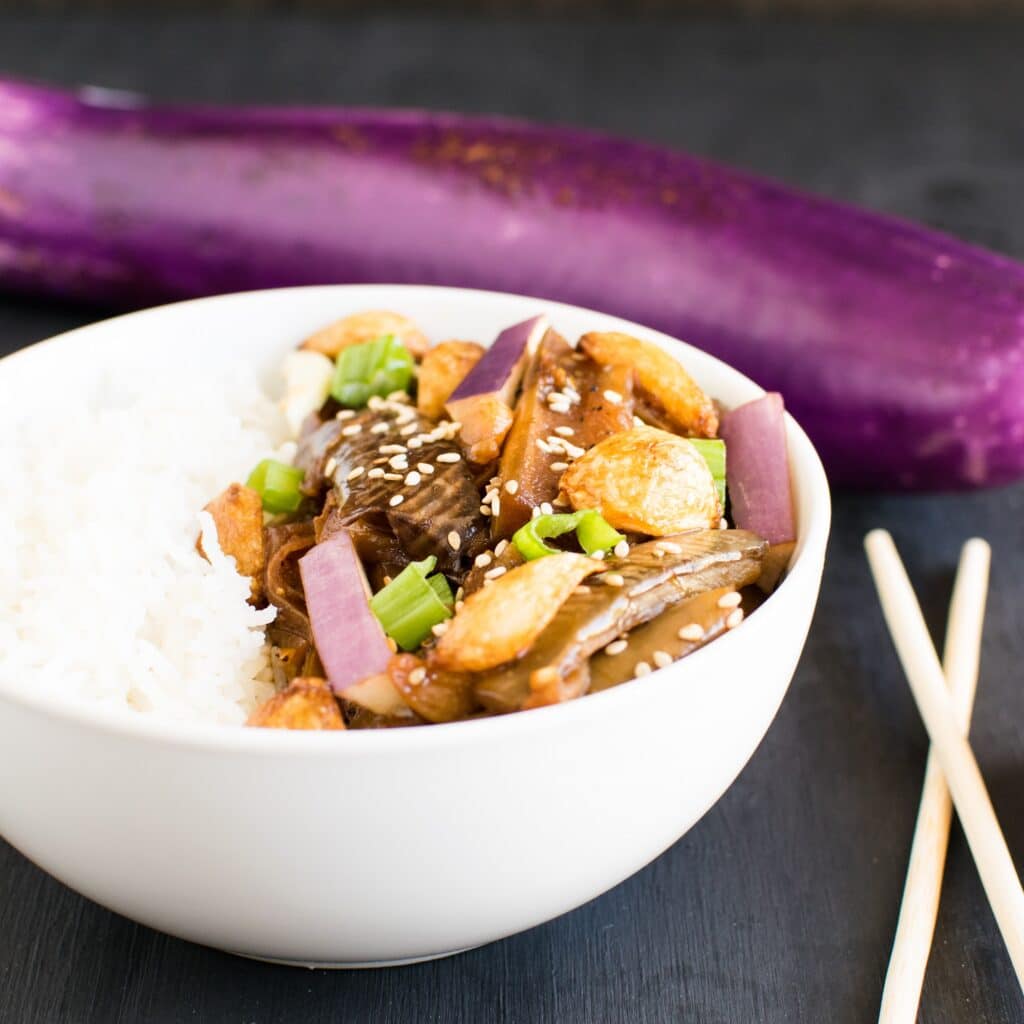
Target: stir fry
[{"x": 460, "y": 531}]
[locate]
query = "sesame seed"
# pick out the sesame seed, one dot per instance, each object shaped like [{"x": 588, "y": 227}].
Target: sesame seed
[
  {"x": 410, "y": 429},
  {"x": 722, "y": 524},
  {"x": 382, "y": 461},
  {"x": 559, "y": 407},
  {"x": 735, "y": 618},
  {"x": 598, "y": 555},
  {"x": 451, "y": 457},
  {"x": 621, "y": 549},
  {"x": 330, "y": 466},
  {"x": 392, "y": 476},
  {"x": 376, "y": 473},
  {"x": 351, "y": 430},
  {"x": 559, "y": 467},
  {"x": 565, "y": 431},
  {"x": 499, "y": 548},
  {"x": 392, "y": 449},
  {"x": 482, "y": 561},
  {"x": 572, "y": 450},
  {"x": 387, "y": 579},
  {"x": 412, "y": 478},
  {"x": 417, "y": 675},
  {"x": 398, "y": 396},
  {"x": 511, "y": 486},
  {"x": 398, "y": 462},
  {"x": 425, "y": 467},
  {"x": 613, "y": 579},
  {"x": 616, "y": 647},
  {"x": 454, "y": 541},
  {"x": 380, "y": 428},
  {"x": 415, "y": 442},
  {"x": 571, "y": 393},
  {"x": 730, "y": 600},
  {"x": 496, "y": 505},
  {"x": 459, "y": 603},
  {"x": 662, "y": 659},
  {"x": 375, "y": 402},
  {"x": 493, "y": 574},
  {"x": 669, "y": 547},
  {"x": 485, "y": 510},
  {"x": 440, "y": 629},
  {"x": 396, "y": 499},
  {"x": 544, "y": 446},
  {"x": 535, "y": 512},
  {"x": 693, "y": 632},
  {"x": 345, "y": 414},
  {"x": 612, "y": 396},
  {"x": 488, "y": 497},
  {"x": 356, "y": 473},
  {"x": 546, "y": 509},
  {"x": 642, "y": 669}
]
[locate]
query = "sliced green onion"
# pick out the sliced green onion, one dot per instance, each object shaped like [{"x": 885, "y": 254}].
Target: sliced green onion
[
  {"x": 595, "y": 533},
  {"x": 412, "y": 604},
  {"x": 712, "y": 450},
  {"x": 441, "y": 587},
  {"x": 375, "y": 367},
  {"x": 277, "y": 484},
  {"x": 592, "y": 531}
]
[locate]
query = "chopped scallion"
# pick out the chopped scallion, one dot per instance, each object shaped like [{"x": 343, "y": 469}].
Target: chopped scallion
[
  {"x": 412, "y": 603},
  {"x": 277, "y": 484},
  {"x": 592, "y": 531},
  {"x": 595, "y": 533},
  {"x": 712, "y": 450},
  {"x": 375, "y": 367}
]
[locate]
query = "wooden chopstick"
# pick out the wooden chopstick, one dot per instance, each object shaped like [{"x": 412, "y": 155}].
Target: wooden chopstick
[
  {"x": 919, "y": 910},
  {"x": 954, "y": 754}
]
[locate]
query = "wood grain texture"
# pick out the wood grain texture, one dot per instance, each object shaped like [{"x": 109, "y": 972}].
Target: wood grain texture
[{"x": 780, "y": 905}]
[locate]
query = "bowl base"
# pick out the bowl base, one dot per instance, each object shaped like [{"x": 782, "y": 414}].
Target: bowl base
[{"x": 355, "y": 965}]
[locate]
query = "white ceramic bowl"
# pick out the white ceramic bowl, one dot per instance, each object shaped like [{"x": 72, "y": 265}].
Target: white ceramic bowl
[{"x": 380, "y": 847}]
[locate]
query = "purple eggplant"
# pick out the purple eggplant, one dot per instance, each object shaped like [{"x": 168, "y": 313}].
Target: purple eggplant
[{"x": 899, "y": 349}]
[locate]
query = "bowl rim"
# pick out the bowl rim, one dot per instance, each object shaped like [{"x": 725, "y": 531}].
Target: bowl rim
[{"x": 811, "y": 542}]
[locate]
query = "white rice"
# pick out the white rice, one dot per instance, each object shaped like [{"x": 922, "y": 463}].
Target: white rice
[{"x": 102, "y": 593}]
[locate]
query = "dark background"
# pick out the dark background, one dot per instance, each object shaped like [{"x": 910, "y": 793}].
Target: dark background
[{"x": 780, "y": 905}]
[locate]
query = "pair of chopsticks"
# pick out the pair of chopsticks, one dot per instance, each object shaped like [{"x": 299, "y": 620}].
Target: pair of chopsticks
[{"x": 945, "y": 695}]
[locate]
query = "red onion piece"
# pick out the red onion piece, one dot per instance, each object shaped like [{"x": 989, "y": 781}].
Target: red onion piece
[
  {"x": 349, "y": 639},
  {"x": 757, "y": 469}
]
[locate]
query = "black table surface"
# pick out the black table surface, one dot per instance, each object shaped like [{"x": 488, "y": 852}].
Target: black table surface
[{"x": 780, "y": 904}]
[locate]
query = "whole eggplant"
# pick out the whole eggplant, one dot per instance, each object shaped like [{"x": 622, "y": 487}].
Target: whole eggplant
[{"x": 900, "y": 350}]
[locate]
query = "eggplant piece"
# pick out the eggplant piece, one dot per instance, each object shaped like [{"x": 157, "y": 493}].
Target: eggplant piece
[
  {"x": 373, "y": 458},
  {"x": 701, "y": 619},
  {"x": 568, "y": 404},
  {"x": 477, "y": 576},
  {"x": 482, "y": 403},
  {"x": 654, "y": 576},
  {"x": 434, "y": 694}
]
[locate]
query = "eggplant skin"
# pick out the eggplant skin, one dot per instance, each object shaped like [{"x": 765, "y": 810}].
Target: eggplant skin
[{"x": 900, "y": 350}]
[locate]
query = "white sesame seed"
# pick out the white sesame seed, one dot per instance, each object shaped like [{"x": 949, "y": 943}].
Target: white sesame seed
[
  {"x": 496, "y": 505},
  {"x": 412, "y": 478},
  {"x": 662, "y": 659},
  {"x": 382, "y": 461},
  {"x": 380, "y": 428},
  {"x": 546, "y": 509},
  {"x": 621, "y": 549},
  {"x": 692, "y": 632},
  {"x": 735, "y": 618},
  {"x": 613, "y": 579},
  {"x": 511, "y": 486},
  {"x": 351, "y": 430},
  {"x": 642, "y": 669},
  {"x": 356, "y": 473},
  {"x": 559, "y": 407},
  {"x": 398, "y": 462},
  {"x": 392, "y": 476},
  {"x": 544, "y": 446},
  {"x": 730, "y": 600},
  {"x": 398, "y": 396},
  {"x": 375, "y": 402},
  {"x": 454, "y": 541},
  {"x": 345, "y": 414},
  {"x": 565, "y": 431},
  {"x": 493, "y": 574},
  {"x": 572, "y": 450},
  {"x": 571, "y": 393},
  {"x": 330, "y": 466},
  {"x": 612, "y": 396},
  {"x": 722, "y": 524},
  {"x": 482, "y": 561},
  {"x": 499, "y": 548},
  {"x": 425, "y": 467},
  {"x": 396, "y": 499},
  {"x": 375, "y": 473},
  {"x": 535, "y": 512},
  {"x": 387, "y": 579},
  {"x": 559, "y": 467},
  {"x": 417, "y": 675},
  {"x": 392, "y": 449},
  {"x": 485, "y": 510},
  {"x": 415, "y": 442},
  {"x": 440, "y": 629},
  {"x": 449, "y": 457},
  {"x": 669, "y": 547},
  {"x": 410, "y": 429},
  {"x": 598, "y": 555},
  {"x": 488, "y": 497},
  {"x": 616, "y": 647}
]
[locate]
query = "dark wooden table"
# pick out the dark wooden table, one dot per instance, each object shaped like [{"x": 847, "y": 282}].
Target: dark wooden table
[{"x": 780, "y": 905}]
